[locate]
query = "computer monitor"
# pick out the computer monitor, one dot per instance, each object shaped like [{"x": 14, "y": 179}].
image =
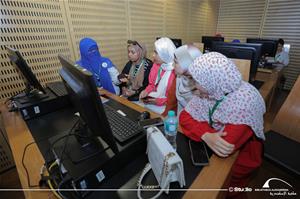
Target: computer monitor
[
  {"x": 240, "y": 51},
  {"x": 208, "y": 40},
  {"x": 84, "y": 96},
  {"x": 269, "y": 46},
  {"x": 177, "y": 42},
  {"x": 32, "y": 83}
]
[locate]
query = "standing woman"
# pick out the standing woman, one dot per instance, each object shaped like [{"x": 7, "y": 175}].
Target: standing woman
[
  {"x": 161, "y": 76},
  {"x": 104, "y": 72},
  {"x": 136, "y": 71},
  {"x": 227, "y": 115}
]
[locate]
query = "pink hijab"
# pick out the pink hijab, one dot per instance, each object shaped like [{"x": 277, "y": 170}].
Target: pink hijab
[{"x": 241, "y": 104}]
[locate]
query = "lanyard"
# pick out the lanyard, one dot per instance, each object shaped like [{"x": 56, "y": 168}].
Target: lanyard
[
  {"x": 158, "y": 75},
  {"x": 211, "y": 111}
]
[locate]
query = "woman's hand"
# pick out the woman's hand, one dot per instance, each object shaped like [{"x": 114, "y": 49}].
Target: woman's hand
[
  {"x": 126, "y": 92},
  {"x": 143, "y": 94},
  {"x": 215, "y": 141},
  {"x": 124, "y": 79},
  {"x": 150, "y": 100}
]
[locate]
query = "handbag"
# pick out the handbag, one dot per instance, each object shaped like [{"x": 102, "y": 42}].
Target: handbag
[{"x": 166, "y": 164}]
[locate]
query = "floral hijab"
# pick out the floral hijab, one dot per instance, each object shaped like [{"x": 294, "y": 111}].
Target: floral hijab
[{"x": 240, "y": 102}]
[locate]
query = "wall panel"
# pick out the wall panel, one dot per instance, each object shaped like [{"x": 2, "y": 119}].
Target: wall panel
[
  {"x": 39, "y": 30},
  {"x": 43, "y": 29}
]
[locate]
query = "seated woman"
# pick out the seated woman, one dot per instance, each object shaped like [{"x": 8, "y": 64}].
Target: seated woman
[
  {"x": 281, "y": 56},
  {"x": 227, "y": 115},
  {"x": 135, "y": 73},
  {"x": 104, "y": 72},
  {"x": 184, "y": 85},
  {"x": 161, "y": 76}
]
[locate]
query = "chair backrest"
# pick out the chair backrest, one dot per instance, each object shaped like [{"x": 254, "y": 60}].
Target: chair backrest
[
  {"x": 244, "y": 67},
  {"x": 287, "y": 120}
]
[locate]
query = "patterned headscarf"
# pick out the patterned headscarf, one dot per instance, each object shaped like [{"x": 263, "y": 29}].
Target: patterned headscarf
[{"x": 242, "y": 103}]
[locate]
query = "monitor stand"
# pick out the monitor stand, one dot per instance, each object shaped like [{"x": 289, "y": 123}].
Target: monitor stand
[{"x": 80, "y": 146}]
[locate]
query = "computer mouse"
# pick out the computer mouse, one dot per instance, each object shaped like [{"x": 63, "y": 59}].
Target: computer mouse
[{"x": 144, "y": 115}]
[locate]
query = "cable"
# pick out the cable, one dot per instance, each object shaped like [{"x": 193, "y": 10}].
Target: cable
[
  {"x": 65, "y": 145},
  {"x": 27, "y": 174},
  {"x": 53, "y": 190}
]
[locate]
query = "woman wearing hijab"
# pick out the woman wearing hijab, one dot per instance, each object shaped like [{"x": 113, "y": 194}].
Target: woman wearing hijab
[
  {"x": 161, "y": 76},
  {"x": 104, "y": 72},
  {"x": 136, "y": 71},
  {"x": 227, "y": 115},
  {"x": 184, "y": 85}
]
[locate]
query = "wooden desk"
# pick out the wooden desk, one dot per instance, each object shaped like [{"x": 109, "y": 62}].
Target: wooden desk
[
  {"x": 271, "y": 78},
  {"x": 213, "y": 176}
]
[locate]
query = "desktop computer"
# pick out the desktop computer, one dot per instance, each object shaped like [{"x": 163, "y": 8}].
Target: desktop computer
[
  {"x": 35, "y": 100},
  {"x": 101, "y": 142}
]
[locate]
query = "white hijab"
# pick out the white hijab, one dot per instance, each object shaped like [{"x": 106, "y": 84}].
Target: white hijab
[
  {"x": 219, "y": 76},
  {"x": 165, "y": 49},
  {"x": 185, "y": 86}
]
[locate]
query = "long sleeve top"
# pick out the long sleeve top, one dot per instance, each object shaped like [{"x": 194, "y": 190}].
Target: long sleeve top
[{"x": 152, "y": 87}]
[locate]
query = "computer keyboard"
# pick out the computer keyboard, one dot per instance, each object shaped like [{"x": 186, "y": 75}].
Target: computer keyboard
[
  {"x": 122, "y": 127},
  {"x": 58, "y": 88}
]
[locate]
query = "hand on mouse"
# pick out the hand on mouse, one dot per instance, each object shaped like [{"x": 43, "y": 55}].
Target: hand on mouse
[{"x": 150, "y": 100}]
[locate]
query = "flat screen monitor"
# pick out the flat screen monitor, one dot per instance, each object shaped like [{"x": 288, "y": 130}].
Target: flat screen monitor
[
  {"x": 269, "y": 46},
  {"x": 84, "y": 96},
  {"x": 240, "y": 51},
  {"x": 21, "y": 65},
  {"x": 177, "y": 42},
  {"x": 208, "y": 41}
]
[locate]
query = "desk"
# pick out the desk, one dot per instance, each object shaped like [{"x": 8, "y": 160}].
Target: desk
[
  {"x": 213, "y": 176},
  {"x": 271, "y": 78}
]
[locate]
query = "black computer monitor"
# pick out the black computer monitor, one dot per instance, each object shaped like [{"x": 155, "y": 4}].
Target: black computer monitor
[
  {"x": 21, "y": 65},
  {"x": 208, "y": 41},
  {"x": 84, "y": 96},
  {"x": 176, "y": 42},
  {"x": 240, "y": 51},
  {"x": 269, "y": 46}
]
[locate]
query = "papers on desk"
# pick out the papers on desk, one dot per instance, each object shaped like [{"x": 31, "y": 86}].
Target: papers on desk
[{"x": 270, "y": 60}]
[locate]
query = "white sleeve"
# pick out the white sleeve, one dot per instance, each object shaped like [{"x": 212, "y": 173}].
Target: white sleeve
[
  {"x": 113, "y": 72},
  {"x": 285, "y": 60}
]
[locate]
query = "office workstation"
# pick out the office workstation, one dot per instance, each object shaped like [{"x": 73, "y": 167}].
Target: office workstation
[{"x": 76, "y": 104}]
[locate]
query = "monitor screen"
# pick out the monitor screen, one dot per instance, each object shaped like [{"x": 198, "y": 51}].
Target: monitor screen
[
  {"x": 26, "y": 72},
  {"x": 208, "y": 40},
  {"x": 83, "y": 93},
  {"x": 240, "y": 51},
  {"x": 177, "y": 42},
  {"x": 269, "y": 46}
]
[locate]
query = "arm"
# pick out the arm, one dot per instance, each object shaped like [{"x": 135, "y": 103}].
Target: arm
[
  {"x": 193, "y": 128},
  {"x": 113, "y": 72},
  {"x": 152, "y": 78},
  {"x": 171, "y": 100},
  {"x": 169, "y": 93},
  {"x": 237, "y": 134}
]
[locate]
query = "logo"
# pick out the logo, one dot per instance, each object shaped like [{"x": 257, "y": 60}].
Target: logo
[
  {"x": 266, "y": 185},
  {"x": 283, "y": 191},
  {"x": 104, "y": 64}
]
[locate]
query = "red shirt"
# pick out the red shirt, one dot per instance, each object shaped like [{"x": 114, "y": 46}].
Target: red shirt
[{"x": 243, "y": 138}]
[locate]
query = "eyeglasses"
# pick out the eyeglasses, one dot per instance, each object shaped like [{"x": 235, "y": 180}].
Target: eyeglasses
[{"x": 134, "y": 43}]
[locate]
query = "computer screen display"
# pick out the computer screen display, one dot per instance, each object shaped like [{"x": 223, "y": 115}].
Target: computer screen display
[
  {"x": 240, "y": 51},
  {"x": 26, "y": 72},
  {"x": 86, "y": 100},
  {"x": 269, "y": 46},
  {"x": 177, "y": 42},
  {"x": 208, "y": 40}
]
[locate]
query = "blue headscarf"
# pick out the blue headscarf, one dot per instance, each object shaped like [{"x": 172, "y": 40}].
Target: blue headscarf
[
  {"x": 92, "y": 60},
  {"x": 236, "y": 41}
]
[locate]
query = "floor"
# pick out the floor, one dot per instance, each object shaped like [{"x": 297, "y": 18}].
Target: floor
[{"x": 268, "y": 170}]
